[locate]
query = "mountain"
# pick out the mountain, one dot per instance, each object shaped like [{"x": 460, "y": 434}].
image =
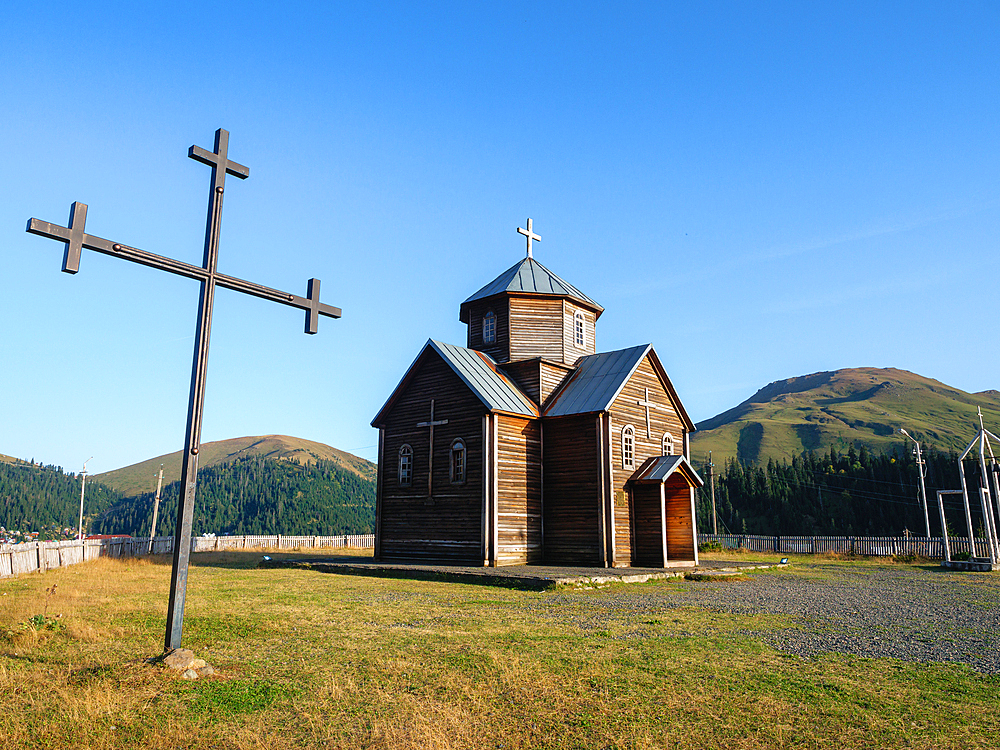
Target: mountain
[
  {"x": 141, "y": 477},
  {"x": 843, "y": 408}
]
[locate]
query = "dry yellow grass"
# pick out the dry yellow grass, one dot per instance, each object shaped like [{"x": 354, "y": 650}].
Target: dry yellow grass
[{"x": 326, "y": 661}]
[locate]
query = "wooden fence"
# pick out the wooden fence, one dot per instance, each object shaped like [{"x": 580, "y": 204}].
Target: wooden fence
[
  {"x": 875, "y": 546},
  {"x": 41, "y": 556}
]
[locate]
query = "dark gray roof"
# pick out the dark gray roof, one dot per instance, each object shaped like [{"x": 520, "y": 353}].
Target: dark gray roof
[
  {"x": 531, "y": 276},
  {"x": 598, "y": 380},
  {"x": 479, "y": 373},
  {"x": 659, "y": 469}
]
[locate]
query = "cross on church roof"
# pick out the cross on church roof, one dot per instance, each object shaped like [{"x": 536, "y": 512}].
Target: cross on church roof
[{"x": 530, "y": 235}]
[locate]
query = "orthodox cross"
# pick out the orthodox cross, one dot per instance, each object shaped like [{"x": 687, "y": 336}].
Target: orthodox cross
[
  {"x": 210, "y": 278},
  {"x": 649, "y": 405},
  {"x": 530, "y": 235},
  {"x": 430, "y": 455}
]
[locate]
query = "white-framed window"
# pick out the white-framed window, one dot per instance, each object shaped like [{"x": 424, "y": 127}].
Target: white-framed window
[
  {"x": 489, "y": 328},
  {"x": 668, "y": 444},
  {"x": 628, "y": 447},
  {"x": 578, "y": 328},
  {"x": 458, "y": 461},
  {"x": 405, "y": 465}
]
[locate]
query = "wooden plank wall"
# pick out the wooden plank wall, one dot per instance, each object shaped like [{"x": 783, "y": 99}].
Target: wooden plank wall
[
  {"x": 624, "y": 522},
  {"x": 519, "y": 509},
  {"x": 536, "y": 328},
  {"x": 680, "y": 527},
  {"x": 500, "y": 349},
  {"x": 526, "y": 374},
  {"x": 572, "y": 351},
  {"x": 572, "y": 491},
  {"x": 648, "y": 537},
  {"x": 446, "y": 527},
  {"x": 551, "y": 376}
]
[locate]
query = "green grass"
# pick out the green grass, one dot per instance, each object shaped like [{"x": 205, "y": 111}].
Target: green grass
[{"x": 315, "y": 660}]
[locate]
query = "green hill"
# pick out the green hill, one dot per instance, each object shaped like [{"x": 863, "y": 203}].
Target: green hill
[
  {"x": 37, "y": 498},
  {"x": 257, "y": 494},
  {"x": 141, "y": 477},
  {"x": 856, "y": 407}
]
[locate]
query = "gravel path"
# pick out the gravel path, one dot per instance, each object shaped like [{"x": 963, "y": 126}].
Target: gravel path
[{"x": 910, "y": 613}]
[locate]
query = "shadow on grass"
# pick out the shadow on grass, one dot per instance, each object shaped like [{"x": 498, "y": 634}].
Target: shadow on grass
[{"x": 248, "y": 559}]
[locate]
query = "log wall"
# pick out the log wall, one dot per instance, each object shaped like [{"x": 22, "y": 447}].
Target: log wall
[
  {"x": 536, "y": 328},
  {"x": 624, "y": 524},
  {"x": 572, "y": 351},
  {"x": 572, "y": 491},
  {"x": 519, "y": 491},
  {"x": 500, "y": 348},
  {"x": 551, "y": 376},
  {"x": 447, "y": 525},
  {"x": 527, "y": 375}
]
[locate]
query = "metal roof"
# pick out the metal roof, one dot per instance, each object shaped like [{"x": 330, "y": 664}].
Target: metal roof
[
  {"x": 532, "y": 277},
  {"x": 659, "y": 469},
  {"x": 598, "y": 380},
  {"x": 479, "y": 373}
]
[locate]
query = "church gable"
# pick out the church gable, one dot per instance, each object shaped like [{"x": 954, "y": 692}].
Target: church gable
[
  {"x": 647, "y": 419},
  {"x": 431, "y": 467}
]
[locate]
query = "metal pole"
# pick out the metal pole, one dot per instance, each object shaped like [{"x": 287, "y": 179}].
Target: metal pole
[
  {"x": 83, "y": 488},
  {"x": 923, "y": 491},
  {"x": 196, "y": 402},
  {"x": 156, "y": 508},
  {"x": 711, "y": 482},
  {"x": 944, "y": 522},
  {"x": 985, "y": 499}
]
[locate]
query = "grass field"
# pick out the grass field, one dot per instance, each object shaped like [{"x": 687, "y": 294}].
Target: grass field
[{"x": 313, "y": 660}]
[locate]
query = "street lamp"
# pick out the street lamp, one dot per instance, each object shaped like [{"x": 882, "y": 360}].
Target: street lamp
[
  {"x": 920, "y": 470},
  {"x": 83, "y": 487}
]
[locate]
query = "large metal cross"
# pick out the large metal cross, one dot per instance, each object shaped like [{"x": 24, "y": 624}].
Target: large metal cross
[
  {"x": 430, "y": 456},
  {"x": 530, "y": 235},
  {"x": 76, "y": 239}
]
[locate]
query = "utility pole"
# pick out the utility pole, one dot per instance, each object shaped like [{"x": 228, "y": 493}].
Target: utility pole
[
  {"x": 83, "y": 488},
  {"x": 711, "y": 484},
  {"x": 156, "y": 507},
  {"x": 920, "y": 470}
]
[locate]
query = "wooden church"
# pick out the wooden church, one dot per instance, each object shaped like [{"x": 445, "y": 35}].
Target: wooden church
[{"x": 528, "y": 446}]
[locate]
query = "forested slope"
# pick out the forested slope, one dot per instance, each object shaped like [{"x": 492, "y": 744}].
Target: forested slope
[
  {"x": 34, "y": 497},
  {"x": 835, "y": 494},
  {"x": 257, "y": 495}
]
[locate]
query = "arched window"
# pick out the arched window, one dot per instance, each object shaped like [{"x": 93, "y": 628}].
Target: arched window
[
  {"x": 489, "y": 328},
  {"x": 578, "y": 328},
  {"x": 628, "y": 447},
  {"x": 405, "y": 465},
  {"x": 668, "y": 444},
  {"x": 458, "y": 461}
]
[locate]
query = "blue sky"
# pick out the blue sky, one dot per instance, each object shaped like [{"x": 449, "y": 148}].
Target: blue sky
[{"x": 760, "y": 190}]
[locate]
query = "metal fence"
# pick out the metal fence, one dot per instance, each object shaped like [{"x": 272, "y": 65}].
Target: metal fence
[
  {"x": 875, "y": 546},
  {"x": 41, "y": 556}
]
